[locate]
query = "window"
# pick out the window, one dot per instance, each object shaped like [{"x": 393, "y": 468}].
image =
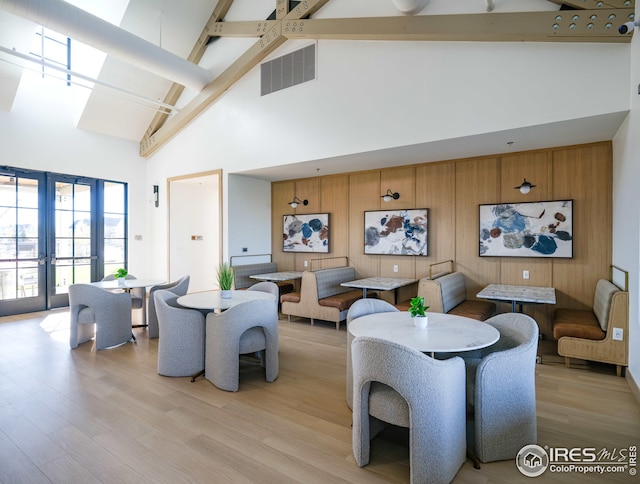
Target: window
[
  {"x": 53, "y": 48},
  {"x": 115, "y": 222}
]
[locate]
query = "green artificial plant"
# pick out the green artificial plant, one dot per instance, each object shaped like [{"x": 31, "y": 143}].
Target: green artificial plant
[
  {"x": 121, "y": 273},
  {"x": 225, "y": 276},
  {"x": 417, "y": 307}
]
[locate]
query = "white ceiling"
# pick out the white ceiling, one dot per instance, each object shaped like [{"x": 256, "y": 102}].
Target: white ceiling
[{"x": 175, "y": 26}]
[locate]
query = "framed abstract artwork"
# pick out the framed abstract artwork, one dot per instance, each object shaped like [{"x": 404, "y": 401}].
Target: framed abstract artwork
[
  {"x": 531, "y": 229},
  {"x": 306, "y": 233},
  {"x": 396, "y": 232}
]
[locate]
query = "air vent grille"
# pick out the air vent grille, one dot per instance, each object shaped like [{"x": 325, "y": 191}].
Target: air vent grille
[{"x": 290, "y": 69}]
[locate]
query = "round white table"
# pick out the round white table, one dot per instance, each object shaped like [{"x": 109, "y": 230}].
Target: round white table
[
  {"x": 445, "y": 332},
  {"x": 126, "y": 284},
  {"x": 213, "y": 300}
]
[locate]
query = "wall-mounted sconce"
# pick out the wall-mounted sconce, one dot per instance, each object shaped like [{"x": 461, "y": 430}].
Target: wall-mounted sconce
[
  {"x": 390, "y": 195},
  {"x": 156, "y": 194},
  {"x": 525, "y": 187},
  {"x": 296, "y": 201}
]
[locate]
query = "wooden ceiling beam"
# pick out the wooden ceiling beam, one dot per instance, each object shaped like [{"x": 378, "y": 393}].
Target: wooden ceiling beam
[
  {"x": 176, "y": 90},
  {"x": 270, "y": 41},
  {"x": 559, "y": 26},
  {"x": 252, "y": 28},
  {"x": 591, "y": 25},
  {"x": 595, "y": 4}
]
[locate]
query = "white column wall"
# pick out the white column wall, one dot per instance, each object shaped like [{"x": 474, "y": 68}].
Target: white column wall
[{"x": 626, "y": 207}]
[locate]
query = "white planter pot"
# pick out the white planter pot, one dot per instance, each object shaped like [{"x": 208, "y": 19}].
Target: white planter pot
[
  {"x": 225, "y": 294},
  {"x": 421, "y": 322}
]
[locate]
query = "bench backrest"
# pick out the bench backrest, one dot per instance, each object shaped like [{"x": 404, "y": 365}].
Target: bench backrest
[
  {"x": 444, "y": 293},
  {"x": 328, "y": 280},
  {"x": 241, "y": 273},
  {"x": 605, "y": 291}
]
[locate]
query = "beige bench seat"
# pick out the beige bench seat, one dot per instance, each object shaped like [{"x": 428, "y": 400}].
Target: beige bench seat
[
  {"x": 447, "y": 294},
  {"x": 242, "y": 273},
  {"x": 587, "y": 334},
  {"x": 322, "y": 297}
]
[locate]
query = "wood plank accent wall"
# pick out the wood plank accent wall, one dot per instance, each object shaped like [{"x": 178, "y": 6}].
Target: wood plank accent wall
[{"x": 452, "y": 191}]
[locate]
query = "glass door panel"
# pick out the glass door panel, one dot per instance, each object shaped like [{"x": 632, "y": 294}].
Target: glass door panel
[
  {"x": 72, "y": 237},
  {"x": 22, "y": 243}
]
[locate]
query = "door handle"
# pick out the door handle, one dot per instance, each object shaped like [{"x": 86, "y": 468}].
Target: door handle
[{"x": 42, "y": 259}]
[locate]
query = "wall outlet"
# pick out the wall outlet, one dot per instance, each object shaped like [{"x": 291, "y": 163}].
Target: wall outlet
[
  {"x": 306, "y": 263},
  {"x": 245, "y": 249},
  {"x": 395, "y": 268},
  {"x": 618, "y": 334},
  {"x": 525, "y": 274}
]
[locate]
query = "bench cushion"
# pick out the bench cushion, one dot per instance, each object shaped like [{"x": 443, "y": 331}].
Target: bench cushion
[
  {"x": 342, "y": 301},
  {"x": 480, "y": 310},
  {"x": 293, "y": 297},
  {"x": 578, "y": 323},
  {"x": 602, "y": 301}
]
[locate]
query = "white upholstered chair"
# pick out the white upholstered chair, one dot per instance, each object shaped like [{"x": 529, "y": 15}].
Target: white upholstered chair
[
  {"x": 249, "y": 327},
  {"x": 96, "y": 312},
  {"x": 401, "y": 386},
  {"x": 179, "y": 288},
  {"x": 360, "y": 308},
  {"x": 181, "y": 345},
  {"x": 501, "y": 390},
  {"x": 138, "y": 296}
]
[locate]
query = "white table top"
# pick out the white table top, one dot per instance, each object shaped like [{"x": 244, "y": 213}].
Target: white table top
[
  {"x": 126, "y": 283},
  {"x": 521, "y": 294},
  {"x": 380, "y": 283},
  {"x": 444, "y": 333},
  {"x": 278, "y": 276},
  {"x": 212, "y": 300}
]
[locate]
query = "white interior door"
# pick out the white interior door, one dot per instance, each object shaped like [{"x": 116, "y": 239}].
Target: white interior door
[{"x": 194, "y": 230}]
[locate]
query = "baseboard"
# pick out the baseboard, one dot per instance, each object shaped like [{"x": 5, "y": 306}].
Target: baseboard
[{"x": 633, "y": 384}]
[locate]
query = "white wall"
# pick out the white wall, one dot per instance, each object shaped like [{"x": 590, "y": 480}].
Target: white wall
[
  {"x": 248, "y": 219},
  {"x": 39, "y": 133},
  {"x": 626, "y": 206}
]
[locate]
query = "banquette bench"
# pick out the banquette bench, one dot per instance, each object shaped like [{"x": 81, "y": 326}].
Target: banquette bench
[
  {"x": 588, "y": 334},
  {"x": 241, "y": 273},
  {"x": 322, "y": 297},
  {"x": 448, "y": 294}
]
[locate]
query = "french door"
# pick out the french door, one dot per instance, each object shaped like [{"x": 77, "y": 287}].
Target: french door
[
  {"x": 53, "y": 233},
  {"x": 22, "y": 242},
  {"x": 71, "y": 236}
]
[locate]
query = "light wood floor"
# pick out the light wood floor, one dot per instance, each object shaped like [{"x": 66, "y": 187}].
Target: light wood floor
[{"x": 83, "y": 416}]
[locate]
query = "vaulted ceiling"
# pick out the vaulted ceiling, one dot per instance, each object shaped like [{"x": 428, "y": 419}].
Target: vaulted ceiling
[{"x": 186, "y": 29}]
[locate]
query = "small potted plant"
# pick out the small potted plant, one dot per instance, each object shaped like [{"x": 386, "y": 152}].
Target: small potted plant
[
  {"x": 225, "y": 280},
  {"x": 417, "y": 309},
  {"x": 120, "y": 275}
]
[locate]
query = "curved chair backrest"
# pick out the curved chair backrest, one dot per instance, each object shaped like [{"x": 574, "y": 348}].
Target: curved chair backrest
[
  {"x": 434, "y": 391},
  {"x": 360, "y": 308},
  {"x": 268, "y": 287},
  {"x": 504, "y": 391},
  {"x": 178, "y": 287},
  {"x": 109, "y": 311},
  {"x": 249, "y": 327},
  {"x": 181, "y": 348}
]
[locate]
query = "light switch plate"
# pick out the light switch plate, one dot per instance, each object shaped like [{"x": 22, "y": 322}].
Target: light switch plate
[{"x": 618, "y": 334}]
